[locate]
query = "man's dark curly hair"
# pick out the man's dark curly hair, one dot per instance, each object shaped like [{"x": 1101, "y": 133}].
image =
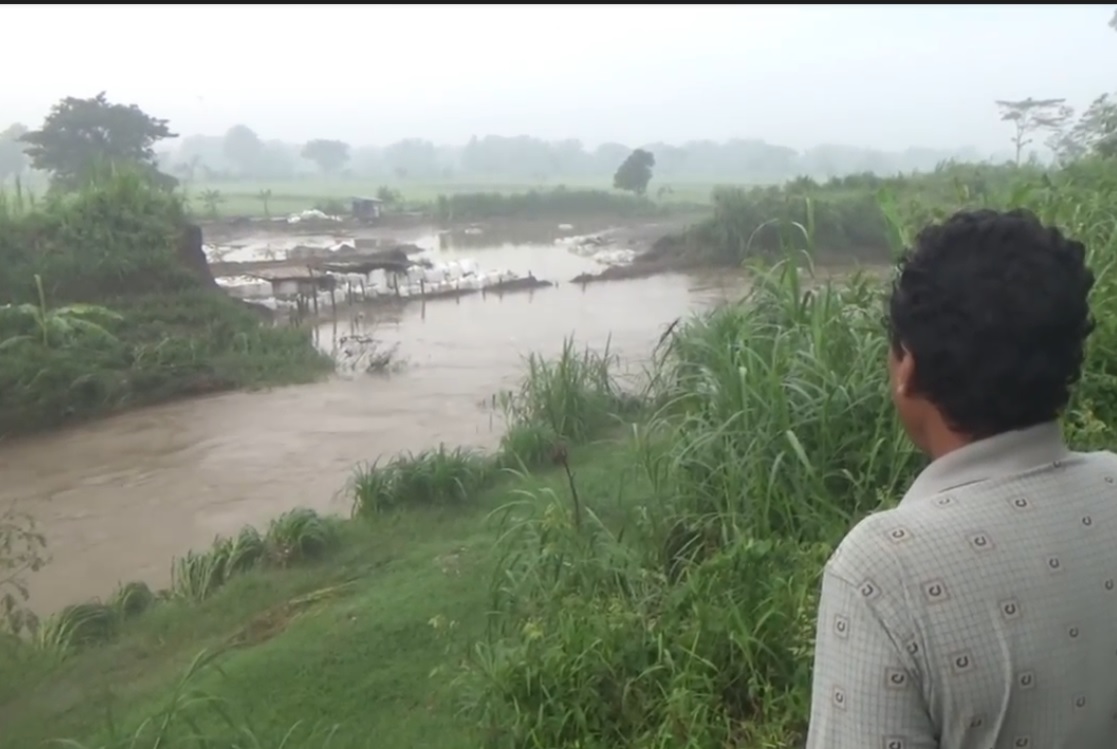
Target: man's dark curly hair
[{"x": 993, "y": 306}]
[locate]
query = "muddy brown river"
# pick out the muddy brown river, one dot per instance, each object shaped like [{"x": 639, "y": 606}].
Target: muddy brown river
[{"x": 118, "y": 498}]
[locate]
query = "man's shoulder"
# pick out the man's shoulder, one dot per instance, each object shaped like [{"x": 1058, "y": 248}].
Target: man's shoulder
[
  {"x": 1103, "y": 460},
  {"x": 869, "y": 547},
  {"x": 888, "y": 541}
]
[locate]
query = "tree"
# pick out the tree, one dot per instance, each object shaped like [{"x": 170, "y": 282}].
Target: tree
[
  {"x": 188, "y": 169},
  {"x": 243, "y": 148},
  {"x": 1034, "y": 116},
  {"x": 412, "y": 158},
  {"x": 79, "y": 136},
  {"x": 329, "y": 155},
  {"x": 1095, "y": 132},
  {"x": 12, "y": 158},
  {"x": 212, "y": 199},
  {"x": 388, "y": 196},
  {"x": 635, "y": 173},
  {"x": 264, "y": 197}
]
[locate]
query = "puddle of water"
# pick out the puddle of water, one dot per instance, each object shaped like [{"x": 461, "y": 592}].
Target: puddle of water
[{"x": 118, "y": 498}]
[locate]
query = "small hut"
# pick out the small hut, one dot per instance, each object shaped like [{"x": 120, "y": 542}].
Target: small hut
[
  {"x": 367, "y": 209},
  {"x": 295, "y": 282}
]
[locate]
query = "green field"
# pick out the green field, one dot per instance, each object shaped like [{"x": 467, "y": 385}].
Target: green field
[{"x": 244, "y": 198}]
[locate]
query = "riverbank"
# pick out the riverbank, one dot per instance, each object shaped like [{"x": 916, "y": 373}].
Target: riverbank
[
  {"x": 366, "y": 641},
  {"x": 118, "y": 496},
  {"x": 105, "y": 315},
  {"x": 149, "y": 349}
]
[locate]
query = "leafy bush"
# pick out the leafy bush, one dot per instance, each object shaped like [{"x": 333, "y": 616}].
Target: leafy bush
[{"x": 430, "y": 478}]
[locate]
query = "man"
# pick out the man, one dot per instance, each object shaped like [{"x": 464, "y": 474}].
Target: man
[{"x": 980, "y": 612}]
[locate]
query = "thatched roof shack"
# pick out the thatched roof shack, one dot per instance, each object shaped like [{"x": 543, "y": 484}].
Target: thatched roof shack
[{"x": 289, "y": 282}]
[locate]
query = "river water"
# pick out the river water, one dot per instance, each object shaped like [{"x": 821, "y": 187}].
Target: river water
[{"x": 120, "y": 497}]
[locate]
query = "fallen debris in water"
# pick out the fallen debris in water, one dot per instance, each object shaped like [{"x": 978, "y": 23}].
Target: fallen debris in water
[
  {"x": 363, "y": 353},
  {"x": 622, "y": 272}
]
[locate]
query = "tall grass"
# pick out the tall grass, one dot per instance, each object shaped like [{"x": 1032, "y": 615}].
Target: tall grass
[
  {"x": 560, "y": 402},
  {"x": 844, "y": 216},
  {"x": 777, "y": 420},
  {"x": 567, "y": 400},
  {"x": 771, "y": 434},
  {"x": 692, "y": 627},
  {"x": 430, "y": 478}
]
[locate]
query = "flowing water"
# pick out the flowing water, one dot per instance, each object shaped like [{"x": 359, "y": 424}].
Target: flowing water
[{"x": 118, "y": 498}]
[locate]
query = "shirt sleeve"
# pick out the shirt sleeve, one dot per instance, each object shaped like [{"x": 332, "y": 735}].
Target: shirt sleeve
[{"x": 867, "y": 692}]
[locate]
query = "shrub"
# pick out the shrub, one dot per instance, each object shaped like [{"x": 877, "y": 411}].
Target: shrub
[
  {"x": 431, "y": 478},
  {"x": 570, "y": 399}
]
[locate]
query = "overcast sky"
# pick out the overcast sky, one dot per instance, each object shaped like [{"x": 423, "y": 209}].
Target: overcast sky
[{"x": 798, "y": 75}]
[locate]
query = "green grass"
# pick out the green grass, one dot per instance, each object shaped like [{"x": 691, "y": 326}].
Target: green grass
[
  {"x": 156, "y": 348},
  {"x": 367, "y": 640},
  {"x": 243, "y": 198}
]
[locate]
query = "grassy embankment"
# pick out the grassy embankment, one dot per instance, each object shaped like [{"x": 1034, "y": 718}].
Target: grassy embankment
[
  {"x": 651, "y": 584},
  {"x": 844, "y": 216},
  {"x": 156, "y": 330}
]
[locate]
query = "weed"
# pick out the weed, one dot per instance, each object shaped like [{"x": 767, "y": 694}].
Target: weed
[
  {"x": 299, "y": 535},
  {"x": 177, "y": 724},
  {"x": 570, "y": 399},
  {"x": 433, "y": 477}
]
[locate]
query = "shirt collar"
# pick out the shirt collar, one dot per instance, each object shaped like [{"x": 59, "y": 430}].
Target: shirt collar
[{"x": 1003, "y": 454}]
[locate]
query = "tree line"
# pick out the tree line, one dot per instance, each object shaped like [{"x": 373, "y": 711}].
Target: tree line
[
  {"x": 529, "y": 159},
  {"x": 242, "y": 154},
  {"x": 79, "y": 135}
]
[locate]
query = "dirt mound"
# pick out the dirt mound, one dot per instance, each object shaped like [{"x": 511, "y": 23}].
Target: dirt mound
[{"x": 192, "y": 256}]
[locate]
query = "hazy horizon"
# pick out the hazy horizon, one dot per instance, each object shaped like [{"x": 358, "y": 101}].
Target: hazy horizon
[{"x": 884, "y": 77}]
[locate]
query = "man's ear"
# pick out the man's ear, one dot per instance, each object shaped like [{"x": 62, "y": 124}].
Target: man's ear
[{"x": 905, "y": 372}]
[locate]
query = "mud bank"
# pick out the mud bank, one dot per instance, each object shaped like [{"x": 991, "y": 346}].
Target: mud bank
[{"x": 638, "y": 269}]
